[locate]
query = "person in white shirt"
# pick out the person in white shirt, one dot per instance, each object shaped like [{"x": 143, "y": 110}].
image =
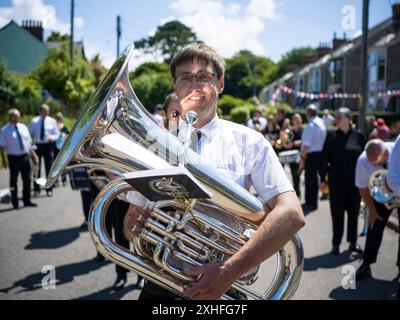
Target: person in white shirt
[
  {"x": 376, "y": 156},
  {"x": 393, "y": 180},
  {"x": 313, "y": 139},
  {"x": 15, "y": 140},
  {"x": 44, "y": 132},
  {"x": 328, "y": 119},
  {"x": 258, "y": 122},
  {"x": 239, "y": 153}
]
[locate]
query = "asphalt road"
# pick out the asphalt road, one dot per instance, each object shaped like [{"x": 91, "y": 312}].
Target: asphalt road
[{"x": 32, "y": 239}]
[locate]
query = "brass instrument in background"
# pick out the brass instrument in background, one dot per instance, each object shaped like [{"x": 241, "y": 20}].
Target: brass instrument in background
[
  {"x": 380, "y": 190},
  {"x": 285, "y": 138},
  {"x": 115, "y": 131}
]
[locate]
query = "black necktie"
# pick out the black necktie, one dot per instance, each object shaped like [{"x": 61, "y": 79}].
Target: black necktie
[
  {"x": 42, "y": 131},
  {"x": 21, "y": 144},
  {"x": 195, "y": 138}
]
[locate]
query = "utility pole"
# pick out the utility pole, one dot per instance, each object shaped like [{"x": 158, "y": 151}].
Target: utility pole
[
  {"x": 72, "y": 33},
  {"x": 364, "y": 61},
  {"x": 118, "y": 33}
]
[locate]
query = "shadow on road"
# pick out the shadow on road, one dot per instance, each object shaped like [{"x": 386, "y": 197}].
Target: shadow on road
[
  {"x": 7, "y": 209},
  {"x": 53, "y": 239},
  {"x": 367, "y": 289},
  {"x": 109, "y": 293},
  {"x": 64, "y": 274},
  {"x": 328, "y": 261}
]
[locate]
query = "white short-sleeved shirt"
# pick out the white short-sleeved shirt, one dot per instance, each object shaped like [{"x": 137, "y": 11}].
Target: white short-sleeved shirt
[
  {"x": 393, "y": 178},
  {"x": 314, "y": 135},
  {"x": 262, "y": 120},
  {"x": 242, "y": 155},
  {"x": 9, "y": 139},
  {"x": 365, "y": 168},
  {"x": 50, "y": 129}
]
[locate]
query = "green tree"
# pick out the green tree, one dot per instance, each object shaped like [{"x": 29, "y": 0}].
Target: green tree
[
  {"x": 71, "y": 85},
  {"x": 227, "y": 102},
  {"x": 57, "y": 36},
  {"x": 167, "y": 40},
  {"x": 293, "y": 59},
  {"x": 152, "y": 83},
  {"x": 246, "y": 70},
  {"x": 22, "y": 92}
]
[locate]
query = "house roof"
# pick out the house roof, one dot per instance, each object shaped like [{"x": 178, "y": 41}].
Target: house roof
[{"x": 23, "y": 51}]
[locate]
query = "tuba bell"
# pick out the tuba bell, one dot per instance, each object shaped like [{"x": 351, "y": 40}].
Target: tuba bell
[
  {"x": 380, "y": 190},
  {"x": 115, "y": 132}
]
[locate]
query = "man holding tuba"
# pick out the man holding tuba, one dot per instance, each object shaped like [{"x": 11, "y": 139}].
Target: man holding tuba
[
  {"x": 376, "y": 156},
  {"x": 239, "y": 153}
]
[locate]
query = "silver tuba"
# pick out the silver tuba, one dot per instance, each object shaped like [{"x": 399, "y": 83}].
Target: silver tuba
[
  {"x": 380, "y": 190},
  {"x": 115, "y": 132}
]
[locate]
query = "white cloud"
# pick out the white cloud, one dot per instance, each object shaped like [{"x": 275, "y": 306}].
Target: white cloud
[
  {"x": 227, "y": 27},
  {"x": 107, "y": 57},
  {"x": 36, "y": 10},
  {"x": 79, "y": 22}
]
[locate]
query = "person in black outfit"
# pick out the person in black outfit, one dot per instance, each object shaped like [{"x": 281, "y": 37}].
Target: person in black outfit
[
  {"x": 297, "y": 131},
  {"x": 271, "y": 132},
  {"x": 339, "y": 159}
]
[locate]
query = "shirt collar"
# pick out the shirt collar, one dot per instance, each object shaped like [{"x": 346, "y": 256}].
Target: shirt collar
[{"x": 207, "y": 130}]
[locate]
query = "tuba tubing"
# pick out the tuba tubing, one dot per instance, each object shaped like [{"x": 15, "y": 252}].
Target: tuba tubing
[{"x": 283, "y": 286}]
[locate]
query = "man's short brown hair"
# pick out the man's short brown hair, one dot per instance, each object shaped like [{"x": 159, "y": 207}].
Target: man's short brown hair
[{"x": 201, "y": 52}]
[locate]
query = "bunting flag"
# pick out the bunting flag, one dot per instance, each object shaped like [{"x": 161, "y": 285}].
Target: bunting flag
[{"x": 323, "y": 95}]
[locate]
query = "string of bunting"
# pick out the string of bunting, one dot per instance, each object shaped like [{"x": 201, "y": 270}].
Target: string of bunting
[{"x": 322, "y": 95}]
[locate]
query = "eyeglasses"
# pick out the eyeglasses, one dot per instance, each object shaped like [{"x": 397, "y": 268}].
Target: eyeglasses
[{"x": 202, "y": 78}]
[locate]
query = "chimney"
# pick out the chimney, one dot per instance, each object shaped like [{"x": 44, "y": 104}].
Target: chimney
[
  {"x": 396, "y": 16},
  {"x": 34, "y": 27},
  {"x": 323, "y": 49},
  {"x": 337, "y": 42}
]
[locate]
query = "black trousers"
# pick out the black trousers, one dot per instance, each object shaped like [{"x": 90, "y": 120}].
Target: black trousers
[
  {"x": 375, "y": 235},
  {"x": 344, "y": 197},
  {"x": 114, "y": 220},
  {"x": 311, "y": 167},
  {"x": 294, "y": 170},
  {"x": 152, "y": 291},
  {"x": 45, "y": 151},
  {"x": 20, "y": 164},
  {"x": 88, "y": 196}
]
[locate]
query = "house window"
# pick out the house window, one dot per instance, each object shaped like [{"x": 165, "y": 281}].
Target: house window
[
  {"x": 336, "y": 71},
  {"x": 372, "y": 66},
  {"x": 377, "y": 66},
  {"x": 381, "y": 66}
]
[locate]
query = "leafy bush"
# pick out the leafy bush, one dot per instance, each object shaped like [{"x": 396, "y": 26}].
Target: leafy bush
[
  {"x": 241, "y": 113},
  {"x": 227, "y": 102}
]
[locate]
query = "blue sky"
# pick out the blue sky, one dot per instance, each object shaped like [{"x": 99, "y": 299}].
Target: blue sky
[{"x": 267, "y": 27}]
